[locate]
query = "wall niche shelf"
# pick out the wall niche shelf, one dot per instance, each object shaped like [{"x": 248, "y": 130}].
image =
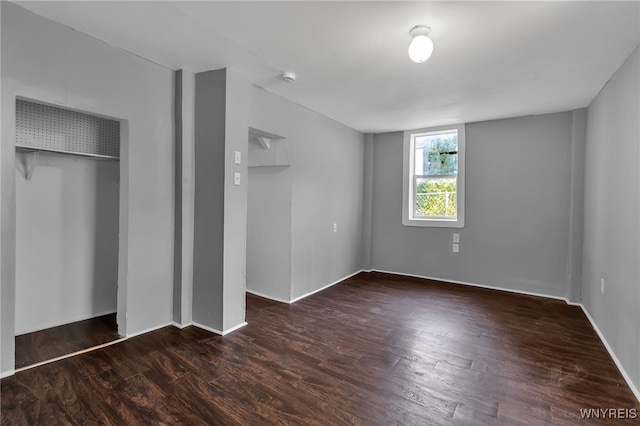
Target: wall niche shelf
[{"x": 267, "y": 149}]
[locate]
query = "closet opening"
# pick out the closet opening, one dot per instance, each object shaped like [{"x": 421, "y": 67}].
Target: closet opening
[
  {"x": 269, "y": 228},
  {"x": 67, "y": 231}
]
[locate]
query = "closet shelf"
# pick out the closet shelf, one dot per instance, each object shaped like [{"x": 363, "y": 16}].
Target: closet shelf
[
  {"x": 31, "y": 155},
  {"x": 30, "y": 149}
]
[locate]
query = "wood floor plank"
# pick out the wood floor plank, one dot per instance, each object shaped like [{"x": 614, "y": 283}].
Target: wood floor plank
[{"x": 377, "y": 349}]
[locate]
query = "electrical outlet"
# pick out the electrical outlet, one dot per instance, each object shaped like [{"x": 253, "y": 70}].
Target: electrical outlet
[
  {"x": 602, "y": 285},
  {"x": 236, "y": 178},
  {"x": 456, "y": 238},
  {"x": 456, "y": 248}
]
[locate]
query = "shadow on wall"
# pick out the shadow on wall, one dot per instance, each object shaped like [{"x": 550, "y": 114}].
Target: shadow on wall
[{"x": 107, "y": 215}]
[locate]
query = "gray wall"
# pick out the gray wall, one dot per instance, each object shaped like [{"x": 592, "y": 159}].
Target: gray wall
[
  {"x": 576, "y": 204},
  {"x": 367, "y": 200},
  {"x": 517, "y": 233},
  {"x": 611, "y": 212},
  {"x": 7, "y": 218},
  {"x": 327, "y": 167},
  {"x": 269, "y": 232},
  {"x": 184, "y": 197},
  {"x": 53, "y": 63},
  {"x": 235, "y": 201},
  {"x": 66, "y": 241},
  {"x": 210, "y": 103},
  {"x": 220, "y": 218},
  {"x": 177, "y": 179}
]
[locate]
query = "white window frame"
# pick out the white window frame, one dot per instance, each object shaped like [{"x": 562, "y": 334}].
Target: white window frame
[{"x": 408, "y": 176}]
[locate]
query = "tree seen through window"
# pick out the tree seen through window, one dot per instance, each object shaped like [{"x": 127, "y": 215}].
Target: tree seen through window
[{"x": 436, "y": 167}]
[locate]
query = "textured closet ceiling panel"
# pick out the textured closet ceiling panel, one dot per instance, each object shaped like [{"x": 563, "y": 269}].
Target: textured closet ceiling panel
[{"x": 52, "y": 128}]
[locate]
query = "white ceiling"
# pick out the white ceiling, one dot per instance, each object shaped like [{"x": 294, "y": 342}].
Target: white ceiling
[{"x": 491, "y": 59}]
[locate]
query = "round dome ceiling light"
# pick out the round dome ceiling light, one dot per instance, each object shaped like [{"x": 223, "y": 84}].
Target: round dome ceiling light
[{"x": 421, "y": 46}]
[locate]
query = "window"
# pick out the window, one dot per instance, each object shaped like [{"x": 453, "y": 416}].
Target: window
[{"x": 434, "y": 177}]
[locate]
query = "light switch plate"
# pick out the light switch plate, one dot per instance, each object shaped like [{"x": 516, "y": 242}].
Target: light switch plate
[
  {"x": 456, "y": 238},
  {"x": 236, "y": 178},
  {"x": 238, "y": 157}
]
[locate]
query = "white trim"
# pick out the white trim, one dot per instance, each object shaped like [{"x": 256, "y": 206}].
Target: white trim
[
  {"x": 148, "y": 330},
  {"x": 234, "y": 328},
  {"x": 325, "y": 287},
  {"x": 626, "y": 377},
  {"x": 216, "y": 331},
  {"x": 7, "y": 374},
  {"x": 181, "y": 326},
  {"x": 83, "y": 351},
  {"x": 612, "y": 353},
  {"x": 264, "y": 296},
  {"x": 446, "y": 280},
  {"x": 307, "y": 294},
  {"x": 204, "y": 327}
]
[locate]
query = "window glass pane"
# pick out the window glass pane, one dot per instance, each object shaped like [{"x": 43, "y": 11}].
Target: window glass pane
[
  {"x": 435, "y": 197},
  {"x": 436, "y": 154}
]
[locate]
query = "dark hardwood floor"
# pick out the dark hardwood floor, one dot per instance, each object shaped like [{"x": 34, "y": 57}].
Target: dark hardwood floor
[
  {"x": 376, "y": 349},
  {"x": 54, "y": 342}
]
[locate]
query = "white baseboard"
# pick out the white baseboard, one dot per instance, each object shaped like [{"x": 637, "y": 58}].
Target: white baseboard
[
  {"x": 148, "y": 330},
  {"x": 612, "y": 353},
  {"x": 7, "y": 374},
  {"x": 80, "y": 352},
  {"x": 325, "y": 287},
  {"x": 216, "y": 331},
  {"x": 181, "y": 326},
  {"x": 490, "y": 287},
  {"x": 234, "y": 328},
  {"x": 205, "y": 327},
  {"x": 275, "y": 299},
  {"x": 567, "y": 301}
]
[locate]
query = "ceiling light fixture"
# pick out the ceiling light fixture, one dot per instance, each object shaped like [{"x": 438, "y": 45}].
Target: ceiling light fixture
[{"x": 421, "y": 46}]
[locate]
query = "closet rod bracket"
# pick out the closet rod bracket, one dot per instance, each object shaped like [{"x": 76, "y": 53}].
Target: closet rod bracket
[{"x": 31, "y": 160}]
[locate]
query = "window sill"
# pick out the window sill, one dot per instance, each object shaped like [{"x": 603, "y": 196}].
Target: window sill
[{"x": 434, "y": 223}]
